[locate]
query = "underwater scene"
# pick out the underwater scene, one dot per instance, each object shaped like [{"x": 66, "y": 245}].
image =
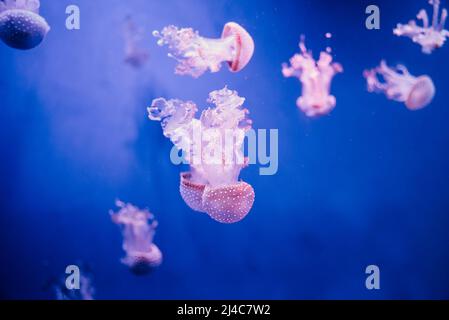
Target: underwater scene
[{"x": 225, "y": 149}]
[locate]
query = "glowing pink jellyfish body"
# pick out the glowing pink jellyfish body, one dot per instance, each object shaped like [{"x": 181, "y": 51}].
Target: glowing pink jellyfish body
[
  {"x": 400, "y": 85},
  {"x": 21, "y": 26},
  {"x": 138, "y": 229},
  {"x": 316, "y": 78},
  {"x": 195, "y": 54},
  {"x": 213, "y": 147},
  {"x": 428, "y": 36}
]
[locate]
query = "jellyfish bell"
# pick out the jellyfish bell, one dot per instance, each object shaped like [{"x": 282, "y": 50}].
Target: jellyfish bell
[
  {"x": 141, "y": 263},
  {"x": 192, "y": 192},
  {"x": 244, "y": 45},
  {"x": 229, "y": 203},
  {"x": 21, "y": 26},
  {"x": 422, "y": 93}
]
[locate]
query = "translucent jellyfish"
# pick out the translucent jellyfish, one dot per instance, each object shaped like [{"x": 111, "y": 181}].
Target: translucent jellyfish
[
  {"x": 400, "y": 85},
  {"x": 135, "y": 55},
  {"x": 428, "y": 36},
  {"x": 138, "y": 229},
  {"x": 21, "y": 26},
  {"x": 195, "y": 54},
  {"x": 316, "y": 78},
  {"x": 213, "y": 147}
]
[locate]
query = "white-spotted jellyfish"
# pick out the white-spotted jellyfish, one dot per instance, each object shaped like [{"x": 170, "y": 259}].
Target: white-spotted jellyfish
[
  {"x": 429, "y": 36},
  {"x": 213, "y": 147},
  {"x": 138, "y": 229},
  {"x": 315, "y": 77},
  {"x": 21, "y": 26},
  {"x": 400, "y": 85},
  {"x": 196, "y": 54}
]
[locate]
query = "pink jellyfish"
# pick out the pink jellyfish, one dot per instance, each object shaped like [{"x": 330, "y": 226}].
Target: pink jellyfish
[
  {"x": 21, "y": 26},
  {"x": 428, "y": 36},
  {"x": 196, "y": 54},
  {"x": 135, "y": 55},
  {"x": 138, "y": 229},
  {"x": 400, "y": 85},
  {"x": 213, "y": 147},
  {"x": 316, "y": 78}
]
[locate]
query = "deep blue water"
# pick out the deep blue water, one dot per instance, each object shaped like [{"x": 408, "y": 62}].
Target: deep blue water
[{"x": 368, "y": 184}]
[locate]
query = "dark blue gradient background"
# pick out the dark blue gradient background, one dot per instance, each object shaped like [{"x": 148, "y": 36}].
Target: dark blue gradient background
[{"x": 368, "y": 184}]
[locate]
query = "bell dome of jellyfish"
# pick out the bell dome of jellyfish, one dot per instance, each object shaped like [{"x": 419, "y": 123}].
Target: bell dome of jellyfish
[
  {"x": 431, "y": 35},
  {"x": 213, "y": 147},
  {"x": 315, "y": 77},
  {"x": 138, "y": 229},
  {"x": 21, "y": 26},
  {"x": 399, "y": 85},
  {"x": 196, "y": 54}
]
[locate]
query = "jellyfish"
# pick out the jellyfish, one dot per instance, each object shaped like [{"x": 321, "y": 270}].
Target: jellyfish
[
  {"x": 195, "y": 54},
  {"x": 138, "y": 229},
  {"x": 21, "y": 26},
  {"x": 400, "y": 85},
  {"x": 428, "y": 36},
  {"x": 135, "y": 55},
  {"x": 213, "y": 147},
  {"x": 315, "y": 77}
]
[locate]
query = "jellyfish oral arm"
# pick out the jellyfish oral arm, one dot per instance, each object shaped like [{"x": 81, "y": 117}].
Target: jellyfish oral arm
[{"x": 429, "y": 36}]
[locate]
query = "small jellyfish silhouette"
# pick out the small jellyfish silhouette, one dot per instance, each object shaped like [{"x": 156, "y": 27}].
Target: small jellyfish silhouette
[
  {"x": 138, "y": 229},
  {"x": 213, "y": 147},
  {"x": 21, "y": 26},
  {"x": 195, "y": 54},
  {"x": 315, "y": 77},
  {"x": 428, "y": 36},
  {"x": 135, "y": 55},
  {"x": 400, "y": 85}
]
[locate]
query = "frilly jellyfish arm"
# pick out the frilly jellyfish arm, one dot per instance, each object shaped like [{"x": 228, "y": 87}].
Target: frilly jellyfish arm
[
  {"x": 30, "y": 5},
  {"x": 227, "y": 117},
  {"x": 138, "y": 229},
  {"x": 399, "y": 85},
  {"x": 196, "y": 54},
  {"x": 213, "y": 146},
  {"x": 316, "y": 78},
  {"x": 429, "y": 36}
]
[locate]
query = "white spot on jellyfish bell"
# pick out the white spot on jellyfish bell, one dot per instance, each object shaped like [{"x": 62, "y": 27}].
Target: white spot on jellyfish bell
[{"x": 21, "y": 26}]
